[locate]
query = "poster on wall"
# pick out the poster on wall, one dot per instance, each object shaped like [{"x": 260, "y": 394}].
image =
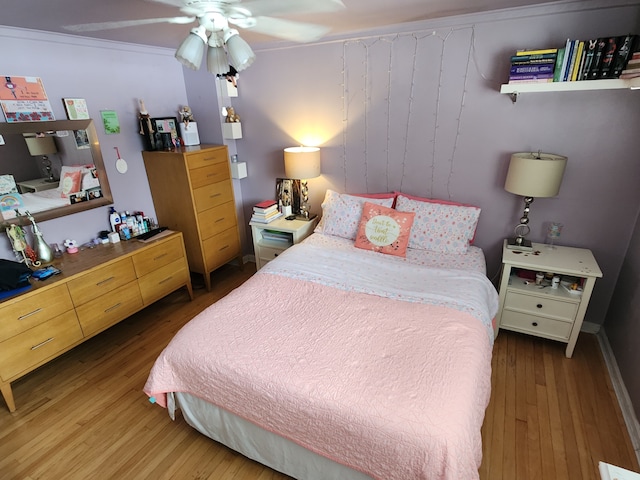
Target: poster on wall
[
  {"x": 76, "y": 108},
  {"x": 23, "y": 99},
  {"x": 110, "y": 121}
]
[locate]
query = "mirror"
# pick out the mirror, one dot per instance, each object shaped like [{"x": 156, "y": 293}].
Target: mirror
[{"x": 56, "y": 168}]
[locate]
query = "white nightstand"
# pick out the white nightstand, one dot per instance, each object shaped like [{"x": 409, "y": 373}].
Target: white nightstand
[
  {"x": 540, "y": 310},
  {"x": 36, "y": 185},
  {"x": 271, "y": 239}
]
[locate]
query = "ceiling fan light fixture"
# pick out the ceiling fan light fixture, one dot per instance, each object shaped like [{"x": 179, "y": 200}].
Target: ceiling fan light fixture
[
  {"x": 191, "y": 50},
  {"x": 217, "y": 62},
  {"x": 239, "y": 51}
]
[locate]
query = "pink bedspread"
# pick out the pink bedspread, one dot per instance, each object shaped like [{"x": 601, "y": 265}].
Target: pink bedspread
[{"x": 394, "y": 389}]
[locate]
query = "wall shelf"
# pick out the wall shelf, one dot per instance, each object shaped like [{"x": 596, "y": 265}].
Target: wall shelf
[{"x": 517, "y": 88}]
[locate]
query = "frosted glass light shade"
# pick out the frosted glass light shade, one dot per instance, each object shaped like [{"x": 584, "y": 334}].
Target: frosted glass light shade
[
  {"x": 217, "y": 62},
  {"x": 40, "y": 146},
  {"x": 239, "y": 51},
  {"x": 191, "y": 50},
  {"x": 302, "y": 163},
  {"x": 535, "y": 175}
]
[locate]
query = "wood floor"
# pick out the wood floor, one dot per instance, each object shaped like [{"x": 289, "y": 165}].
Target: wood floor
[{"x": 84, "y": 416}]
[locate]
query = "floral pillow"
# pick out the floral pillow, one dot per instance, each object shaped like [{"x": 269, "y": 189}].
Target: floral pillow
[
  {"x": 440, "y": 226},
  {"x": 70, "y": 183},
  {"x": 341, "y": 213},
  {"x": 384, "y": 230}
]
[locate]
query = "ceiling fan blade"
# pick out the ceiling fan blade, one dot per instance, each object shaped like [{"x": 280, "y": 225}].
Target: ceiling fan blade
[
  {"x": 173, "y": 3},
  {"x": 285, "y": 29},
  {"x": 282, "y": 7},
  {"x": 93, "y": 27}
]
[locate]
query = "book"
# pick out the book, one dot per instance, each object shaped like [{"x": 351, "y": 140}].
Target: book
[
  {"x": 265, "y": 204},
  {"x": 266, "y": 220},
  {"x": 531, "y": 76},
  {"x": 272, "y": 208},
  {"x": 526, "y": 59},
  {"x": 597, "y": 59},
  {"x": 577, "y": 60},
  {"x": 589, "y": 49},
  {"x": 606, "y": 66},
  {"x": 565, "y": 60},
  {"x": 267, "y": 214},
  {"x": 566, "y": 76},
  {"x": 543, "y": 68},
  {"x": 612, "y": 472},
  {"x": 621, "y": 60},
  {"x": 558, "y": 65},
  {"x": 534, "y": 80},
  {"x": 536, "y": 52}
]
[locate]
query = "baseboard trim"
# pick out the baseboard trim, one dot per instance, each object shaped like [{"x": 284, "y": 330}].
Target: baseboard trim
[
  {"x": 622, "y": 394},
  {"x": 589, "y": 327}
]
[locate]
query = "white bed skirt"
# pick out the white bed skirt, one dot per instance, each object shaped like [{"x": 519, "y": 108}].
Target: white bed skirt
[{"x": 258, "y": 444}]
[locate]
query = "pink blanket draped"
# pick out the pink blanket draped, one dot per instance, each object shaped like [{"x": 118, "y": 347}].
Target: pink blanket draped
[{"x": 394, "y": 389}]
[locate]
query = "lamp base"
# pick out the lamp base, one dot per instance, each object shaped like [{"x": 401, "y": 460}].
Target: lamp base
[
  {"x": 300, "y": 216},
  {"x": 519, "y": 244}
]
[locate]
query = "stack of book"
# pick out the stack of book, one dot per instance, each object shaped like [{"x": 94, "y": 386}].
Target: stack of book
[
  {"x": 265, "y": 212},
  {"x": 533, "y": 66},
  {"x": 600, "y": 58}
]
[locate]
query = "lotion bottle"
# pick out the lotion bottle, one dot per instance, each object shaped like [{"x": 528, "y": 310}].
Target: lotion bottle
[{"x": 114, "y": 219}]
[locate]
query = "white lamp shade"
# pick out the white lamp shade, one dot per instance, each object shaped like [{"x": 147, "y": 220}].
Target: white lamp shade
[
  {"x": 535, "y": 175},
  {"x": 191, "y": 50},
  {"x": 239, "y": 51},
  {"x": 302, "y": 163},
  {"x": 41, "y": 146},
  {"x": 217, "y": 62}
]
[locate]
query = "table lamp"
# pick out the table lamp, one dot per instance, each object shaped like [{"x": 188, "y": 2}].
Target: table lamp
[
  {"x": 532, "y": 175},
  {"x": 42, "y": 146},
  {"x": 302, "y": 163}
]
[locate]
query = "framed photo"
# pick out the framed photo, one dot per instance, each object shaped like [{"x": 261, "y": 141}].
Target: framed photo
[
  {"x": 76, "y": 108},
  {"x": 82, "y": 139},
  {"x": 288, "y": 193},
  {"x": 164, "y": 134}
]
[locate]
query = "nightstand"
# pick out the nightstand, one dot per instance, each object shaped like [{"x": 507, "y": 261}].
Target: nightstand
[
  {"x": 271, "y": 239},
  {"x": 36, "y": 185},
  {"x": 541, "y": 310}
]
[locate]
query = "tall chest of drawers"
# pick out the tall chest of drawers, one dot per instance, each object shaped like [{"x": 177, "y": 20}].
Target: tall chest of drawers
[
  {"x": 192, "y": 192},
  {"x": 96, "y": 289}
]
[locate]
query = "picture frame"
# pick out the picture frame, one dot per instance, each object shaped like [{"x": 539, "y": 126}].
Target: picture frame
[
  {"x": 288, "y": 193},
  {"x": 164, "y": 134},
  {"x": 82, "y": 139},
  {"x": 76, "y": 108}
]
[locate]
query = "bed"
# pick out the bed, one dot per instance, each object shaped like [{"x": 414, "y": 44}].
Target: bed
[{"x": 337, "y": 361}]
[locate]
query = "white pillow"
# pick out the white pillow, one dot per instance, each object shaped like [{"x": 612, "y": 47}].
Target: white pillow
[{"x": 341, "y": 213}]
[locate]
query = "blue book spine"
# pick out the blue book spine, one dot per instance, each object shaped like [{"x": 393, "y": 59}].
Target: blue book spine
[{"x": 548, "y": 68}]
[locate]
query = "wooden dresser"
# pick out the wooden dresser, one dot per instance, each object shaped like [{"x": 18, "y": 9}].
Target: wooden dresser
[
  {"x": 97, "y": 288},
  {"x": 193, "y": 193}
]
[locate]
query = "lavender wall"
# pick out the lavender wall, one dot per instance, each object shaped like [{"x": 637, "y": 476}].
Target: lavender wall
[
  {"x": 419, "y": 111},
  {"x": 110, "y": 76}
]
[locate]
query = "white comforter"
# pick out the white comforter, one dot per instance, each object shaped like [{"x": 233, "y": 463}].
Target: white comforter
[{"x": 374, "y": 366}]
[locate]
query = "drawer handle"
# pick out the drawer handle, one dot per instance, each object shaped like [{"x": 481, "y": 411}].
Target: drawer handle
[
  {"x": 165, "y": 280},
  {"x": 223, "y": 248},
  {"x": 215, "y": 195},
  {"x": 220, "y": 220},
  {"x": 104, "y": 281},
  {"x": 159, "y": 257},
  {"x": 112, "y": 308},
  {"x": 539, "y": 305},
  {"x": 535, "y": 324},
  {"x": 212, "y": 175},
  {"x": 22, "y": 317},
  {"x": 41, "y": 344},
  {"x": 206, "y": 159}
]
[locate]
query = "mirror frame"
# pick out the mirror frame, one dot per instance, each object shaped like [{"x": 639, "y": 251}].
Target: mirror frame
[{"x": 96, "y": 154}]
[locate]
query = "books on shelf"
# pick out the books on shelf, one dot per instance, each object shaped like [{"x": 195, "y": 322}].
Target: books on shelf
[{"x": 577, "y": 60}]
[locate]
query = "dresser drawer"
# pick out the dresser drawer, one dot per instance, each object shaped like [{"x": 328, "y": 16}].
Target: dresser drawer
[
  {"x": 217, "y": 219},
  {"x": 212, "y": 195},
  {"x": 102, "y": 281},
  {"x": 213, "y": 173},
  {"x": 202, "y": 159},
  {"x": 157, "y": 256},
  {"x": 25, "y": 312},
  {"x": 110, "y": 308},
  {"x": 547, "y": 307},
  {"x": 221, "y": 248},
  {"x": 532, "y": 324},
  {"x": 22, "y": 352},
  {"x": 163, "y": 281}
]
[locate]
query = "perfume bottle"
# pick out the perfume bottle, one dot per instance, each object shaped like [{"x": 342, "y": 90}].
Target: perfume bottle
[{"x": 42, "y": 249}]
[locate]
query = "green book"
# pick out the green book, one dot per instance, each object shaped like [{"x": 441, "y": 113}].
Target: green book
[{"x": 558, "y": 68}]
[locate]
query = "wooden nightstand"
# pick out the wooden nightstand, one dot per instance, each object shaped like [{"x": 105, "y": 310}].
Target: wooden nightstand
[
  {"x": 540, "y": 310},
  {"x": 36, "y": 185},
  {"x": 271, "y": 239}
]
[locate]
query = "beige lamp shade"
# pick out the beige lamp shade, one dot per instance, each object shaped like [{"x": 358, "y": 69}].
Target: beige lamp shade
[
  {"x": 535, "y": 174},
  {"x": 301, "y": 163},
  {"x": 41, "y": 146}
]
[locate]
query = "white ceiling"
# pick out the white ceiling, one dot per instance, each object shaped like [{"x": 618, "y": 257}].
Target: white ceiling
[{"x": 359, "y": 15}]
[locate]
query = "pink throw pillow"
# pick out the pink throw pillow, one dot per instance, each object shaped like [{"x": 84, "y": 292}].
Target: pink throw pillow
[
  {"x": 70, "y": 183},
  {"x": 384, "y": 230}
]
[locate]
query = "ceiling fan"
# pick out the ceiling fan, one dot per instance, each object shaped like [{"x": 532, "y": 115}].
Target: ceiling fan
[{"x": 214, "y": 17}]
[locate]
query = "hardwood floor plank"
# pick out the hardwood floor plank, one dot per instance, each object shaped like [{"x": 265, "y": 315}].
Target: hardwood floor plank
[{"x": 84, "y": 415}]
